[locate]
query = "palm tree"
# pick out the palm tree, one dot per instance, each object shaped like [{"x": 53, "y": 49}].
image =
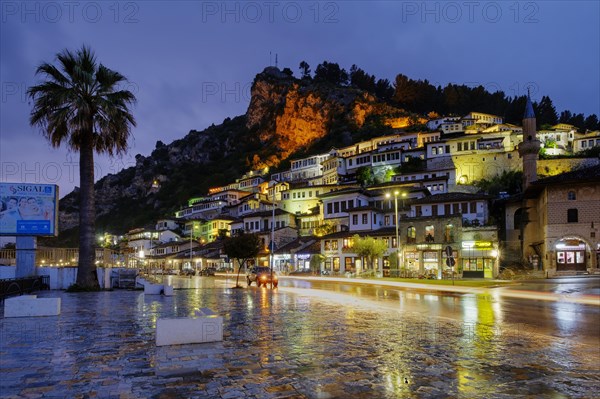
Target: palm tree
[{"x": 79, "y": 103}]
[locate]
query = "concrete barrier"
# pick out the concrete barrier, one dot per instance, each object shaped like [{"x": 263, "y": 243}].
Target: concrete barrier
[
  {"x": 153, "y": 289},
  {"x": 168, "y": 290},
  {"x": 207, "y": 326},
  {"x": 31, "y": 306}
]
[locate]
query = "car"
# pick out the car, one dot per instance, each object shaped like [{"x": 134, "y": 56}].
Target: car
[
  {"x": 262, "y": 276},
  {"x": 188, "y": 272},
  {"x": 209, "y": 271}
]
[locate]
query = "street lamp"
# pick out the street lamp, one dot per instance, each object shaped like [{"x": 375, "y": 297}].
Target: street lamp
[
  {"x": 272, "y": 241},
  {"x": 396, "y": 223},
  {"x": 191, "y": 238}
]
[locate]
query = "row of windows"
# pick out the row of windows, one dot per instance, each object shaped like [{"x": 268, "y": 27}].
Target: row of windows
[
  {"x": 465, "y": 146},
  {"x": 304, "y": 163},
  {"x": 250, "y": 183},
  {"x": 584, "y": 144},
  {"x": 212, "y": 204},
  {"x": 328, "y": 165},
  {"x": 427, "y": 235},
  {"x": 364, "y": 219},
  {"x": 254, "y": 226},
  {"x": 340, "y": 206},
  {"x": 361, "y": 160},
  {"x": 392, "y": 156},
  {"x": 440, "y": 149},
  {"x": 302, "y": 194},
  {"x": 312, "y": 224},
  {"x": 450, "y": 209},
  {"x": 452, "y": 126},
  {"x": 490, "y": 146},
  {"x": 436, "y": 187}
]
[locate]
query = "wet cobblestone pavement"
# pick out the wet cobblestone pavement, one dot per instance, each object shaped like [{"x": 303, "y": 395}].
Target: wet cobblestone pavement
[{"x": 282, "y": 344}]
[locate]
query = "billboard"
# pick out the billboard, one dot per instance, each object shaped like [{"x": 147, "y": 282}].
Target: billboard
[{"x": 28, "y": 209}]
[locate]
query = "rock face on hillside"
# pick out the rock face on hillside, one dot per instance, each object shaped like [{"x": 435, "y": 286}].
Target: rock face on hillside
[
  {"x": 285, "y": 115},
  {"x": 292, "y": 114}
]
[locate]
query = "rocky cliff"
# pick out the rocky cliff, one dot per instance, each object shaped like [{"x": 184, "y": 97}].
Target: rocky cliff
[
  {"x": 285, "y": 116},
  {"x": 291, "y": 114}
]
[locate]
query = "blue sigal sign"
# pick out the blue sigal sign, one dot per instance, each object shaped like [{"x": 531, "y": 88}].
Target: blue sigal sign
[{"x": 33, "y": 227}]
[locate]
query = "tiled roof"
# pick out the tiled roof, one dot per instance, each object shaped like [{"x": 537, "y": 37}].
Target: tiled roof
[{"x": 591, "y": 174}]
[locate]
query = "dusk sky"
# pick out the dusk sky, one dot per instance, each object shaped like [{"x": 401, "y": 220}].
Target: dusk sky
[{"x": 191, "y": 64}]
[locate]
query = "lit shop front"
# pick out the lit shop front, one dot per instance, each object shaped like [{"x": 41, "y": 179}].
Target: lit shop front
[
  {"x": 424, "y": 259},
  {"x": 571, "y": 254},
  {"x": 478, "y": 259}
]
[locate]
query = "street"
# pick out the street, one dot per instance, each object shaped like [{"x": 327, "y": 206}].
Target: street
[
  {"x": 306, "y": 339},
  {"x": 548, "y": 307}
]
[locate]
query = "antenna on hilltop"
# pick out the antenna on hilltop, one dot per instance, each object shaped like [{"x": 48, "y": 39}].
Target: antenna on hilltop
[
  {"x": 270, "y": 59},
  {"x": 276, "y": 60}
]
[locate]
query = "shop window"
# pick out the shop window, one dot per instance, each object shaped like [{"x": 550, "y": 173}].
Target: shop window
[
  {"x": 429, "y": 233},
  {"x": 336, "y": 264},
  {"x": 411, "y": 235},
  {"x": 572, "y": 215},
  {"x": 348, "y": 265}
]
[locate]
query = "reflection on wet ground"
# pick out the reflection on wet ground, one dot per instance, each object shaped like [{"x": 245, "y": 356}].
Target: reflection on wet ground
[{"x": 287, "y": 343}]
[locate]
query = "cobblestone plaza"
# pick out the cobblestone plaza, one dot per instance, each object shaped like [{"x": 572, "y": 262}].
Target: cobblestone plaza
[{"x": 286, "y": 343}]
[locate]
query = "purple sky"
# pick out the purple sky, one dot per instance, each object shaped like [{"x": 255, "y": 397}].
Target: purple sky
[{"x": 191, "y": 63}]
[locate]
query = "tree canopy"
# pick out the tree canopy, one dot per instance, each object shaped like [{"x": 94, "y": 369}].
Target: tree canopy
[
  {"x": 80, "y": 104},
  {"x": 242, "y": 248},
  {"x": 369, "y": 248}
]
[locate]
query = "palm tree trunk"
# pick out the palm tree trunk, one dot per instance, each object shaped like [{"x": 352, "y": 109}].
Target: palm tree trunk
[{"x": 86, "y": 271}]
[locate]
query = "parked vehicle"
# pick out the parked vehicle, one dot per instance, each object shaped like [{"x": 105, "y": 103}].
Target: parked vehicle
[
  {"x": 209, "y": 271},
  {"x": 262, "y": 276},
  {"x": 188, "y": 272}
]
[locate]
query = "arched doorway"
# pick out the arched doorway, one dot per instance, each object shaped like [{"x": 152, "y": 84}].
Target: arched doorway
[{"x": 571, "y": 254}]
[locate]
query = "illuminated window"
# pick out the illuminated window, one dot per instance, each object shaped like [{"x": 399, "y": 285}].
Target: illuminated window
[
  {"x": 449, "y": 233},
  {"x": 429, "y": 233},
  {"x": 411, "y": 235}
]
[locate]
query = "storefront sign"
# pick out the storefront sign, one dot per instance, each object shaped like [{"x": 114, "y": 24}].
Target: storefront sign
[{"x": 477, "y": 245}]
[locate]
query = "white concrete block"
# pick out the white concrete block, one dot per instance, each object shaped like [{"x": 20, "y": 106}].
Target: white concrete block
[
  {"x": 153, "y": 289},
  {"x": 31, "y": 306},
  {"x": 168, "y": 290},
  {"x": 207, "y": 327}
]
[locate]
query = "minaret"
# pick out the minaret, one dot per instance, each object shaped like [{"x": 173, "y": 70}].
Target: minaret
[{"x": 530, "y": 147}]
